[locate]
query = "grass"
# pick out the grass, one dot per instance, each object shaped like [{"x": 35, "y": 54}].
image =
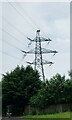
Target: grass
[{"x": 56, "y": 115}]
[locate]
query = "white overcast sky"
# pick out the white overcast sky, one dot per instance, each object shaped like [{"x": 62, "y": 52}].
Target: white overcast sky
[{"x": 53, "y": 19}]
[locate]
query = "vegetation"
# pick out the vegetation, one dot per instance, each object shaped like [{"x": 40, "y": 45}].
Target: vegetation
[
  {"x": 56, "y": 115},
  {"x": 56, "y": 90},
  {"x": 22, "y": 87},
  {"x": 18, "y": 87}
]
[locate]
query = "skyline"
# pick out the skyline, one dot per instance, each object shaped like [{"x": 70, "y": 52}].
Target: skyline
[{"x": 53, "y": 19}]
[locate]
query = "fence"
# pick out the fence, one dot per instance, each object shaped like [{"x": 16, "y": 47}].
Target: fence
[{"x": 50, "y": 109}]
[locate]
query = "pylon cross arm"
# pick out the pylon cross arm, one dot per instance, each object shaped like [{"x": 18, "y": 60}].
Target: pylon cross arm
[
  {"x": 43, "y": 50},
  {"x": 48, "y": 51},
  {"x": 44, "y": 62},
  {"x": 41, "y": 38}
]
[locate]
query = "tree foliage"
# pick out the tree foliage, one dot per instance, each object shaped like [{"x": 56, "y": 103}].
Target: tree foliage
[
  {"x": 56, "y": 91},
  {"x": 22, "y": 87},
  {"x": 17, "y": 88}
]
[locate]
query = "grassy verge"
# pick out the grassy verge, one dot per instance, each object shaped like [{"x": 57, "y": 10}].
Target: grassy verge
[{"x": 57, "y": 115}]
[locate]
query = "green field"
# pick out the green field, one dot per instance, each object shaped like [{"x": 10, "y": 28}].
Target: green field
[{"x": 57, "y": 115}]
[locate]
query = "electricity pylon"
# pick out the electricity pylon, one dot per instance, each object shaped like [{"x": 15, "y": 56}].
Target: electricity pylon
[{"x": 38, "y": 51}]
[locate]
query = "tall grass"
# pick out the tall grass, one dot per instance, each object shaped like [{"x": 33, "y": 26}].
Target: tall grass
[{"x": 57, "y": 115}]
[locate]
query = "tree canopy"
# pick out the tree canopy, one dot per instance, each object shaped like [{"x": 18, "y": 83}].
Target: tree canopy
[
  {"x": 56, "y": 91},
  {"x": 17, "y": 88},
  {"x": 22, "y": 87}
]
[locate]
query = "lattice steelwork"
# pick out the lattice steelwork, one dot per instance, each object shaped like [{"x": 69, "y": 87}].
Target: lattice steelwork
[{"x": 38, "y": 51}]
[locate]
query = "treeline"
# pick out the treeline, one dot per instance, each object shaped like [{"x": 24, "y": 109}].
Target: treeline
[
  {"x": 22, "y": 87},
  {"x": 57, "y": 90}
]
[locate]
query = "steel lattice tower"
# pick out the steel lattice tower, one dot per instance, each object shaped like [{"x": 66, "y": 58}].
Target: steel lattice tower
[
  {"x": 38, "y": 51},
  {"x": 38, "y": 54}
]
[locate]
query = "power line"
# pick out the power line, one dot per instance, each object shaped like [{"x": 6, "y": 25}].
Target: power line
[
  {"x": 12, "y": 36},
  {"x": 10, "y": 44},
  {"x": 20, "y": 14},
  {"x": 20, "y": 60},
  {"x": 9, "y": 55},
  {"x": 14, "y": 26},
  {"x": 31, "y": 19},
  {"x": 25, "y": 17},
  {"x": 33, "y": 22}
]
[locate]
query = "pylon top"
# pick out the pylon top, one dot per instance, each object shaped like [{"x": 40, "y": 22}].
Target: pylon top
[{"x": 38, "y": 30}]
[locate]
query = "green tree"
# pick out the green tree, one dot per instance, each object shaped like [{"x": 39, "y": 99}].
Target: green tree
[
  {"x": 52, "y": 92},
  {"x": 17, "y": 88}
]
